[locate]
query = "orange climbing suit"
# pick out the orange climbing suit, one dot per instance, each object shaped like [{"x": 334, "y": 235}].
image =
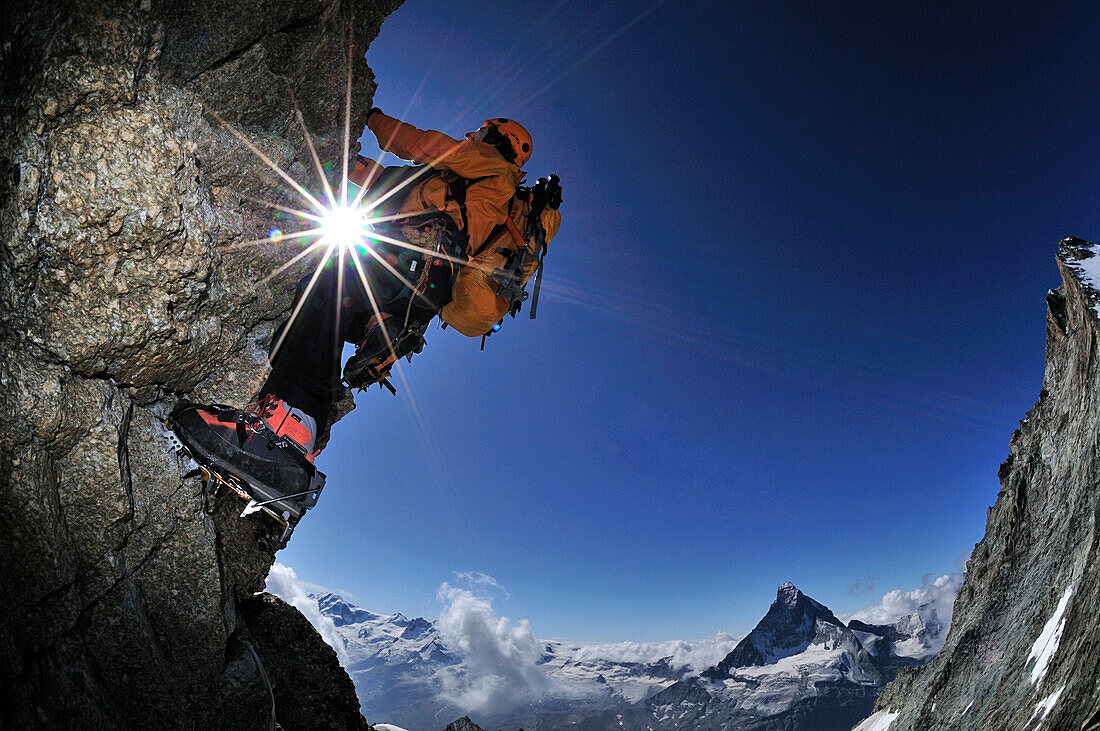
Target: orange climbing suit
[{"x": 490, "y": 198}]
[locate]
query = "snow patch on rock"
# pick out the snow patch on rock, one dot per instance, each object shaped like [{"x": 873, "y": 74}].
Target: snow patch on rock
[
  {"x": 879, "y": 721},
  {"x": 1042, "y": 652},
  {"x": 1046, "y": 705}
]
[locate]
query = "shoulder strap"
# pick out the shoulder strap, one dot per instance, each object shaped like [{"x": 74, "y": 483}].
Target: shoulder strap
[
  {"x": 456, "y": 190},
  {"x": 393, "y": 178}
]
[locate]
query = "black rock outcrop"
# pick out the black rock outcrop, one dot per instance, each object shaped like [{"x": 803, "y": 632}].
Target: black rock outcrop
[
  {"x": 463, "y": 724},
  {"x": 127, "y": 199},
  {"x": 1022, "y": 650},
  {"x": 309, "y": 689}
]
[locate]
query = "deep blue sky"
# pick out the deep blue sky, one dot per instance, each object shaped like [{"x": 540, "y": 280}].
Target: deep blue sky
[{"x": 794, "y": 313}]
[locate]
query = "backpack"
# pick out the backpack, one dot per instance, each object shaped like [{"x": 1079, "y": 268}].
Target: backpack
[
  {"x": 546, "y": 192},
  {"x": 397, "y": 179}
]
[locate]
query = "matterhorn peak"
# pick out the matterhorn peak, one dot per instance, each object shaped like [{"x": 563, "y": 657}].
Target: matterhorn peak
[
  {"x": 788, "y": 594},
  {"x": 789, "y": 627}
]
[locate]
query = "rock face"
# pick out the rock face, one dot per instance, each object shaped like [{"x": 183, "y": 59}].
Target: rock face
[
  {"x": 125, "y": 284},
  {"x": 309, "y": 688},
  {"x": 1022, "y": 649}
]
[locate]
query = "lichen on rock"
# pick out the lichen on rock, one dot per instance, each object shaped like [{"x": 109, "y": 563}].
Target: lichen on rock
[{"x": 127, "y": 199}]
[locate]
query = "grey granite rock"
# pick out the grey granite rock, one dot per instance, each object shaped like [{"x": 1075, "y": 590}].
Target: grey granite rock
[
  {"x": 1039, "y": 555},
  {"x": 124, "y": 285},
  {"x": 309, "y": 687}
]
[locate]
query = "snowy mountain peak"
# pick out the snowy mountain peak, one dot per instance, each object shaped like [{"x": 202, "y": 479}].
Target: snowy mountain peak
[
  {"x": 793, "y": 622},
  {"x": 788, "y": 594},
  {"x": 341, "y": 613}
]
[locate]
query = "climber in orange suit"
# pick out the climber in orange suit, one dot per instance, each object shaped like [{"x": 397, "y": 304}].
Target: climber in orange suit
[
  {"x": 472, "y": 185},
  {"x": 489, "y": 160},
  {"x": 467, "y": 240}
]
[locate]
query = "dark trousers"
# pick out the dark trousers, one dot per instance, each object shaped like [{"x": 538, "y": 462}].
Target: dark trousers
[{"x": 306, "y": 350}]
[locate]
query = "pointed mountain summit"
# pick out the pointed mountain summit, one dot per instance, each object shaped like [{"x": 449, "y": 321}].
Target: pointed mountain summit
[
  {"x": 793, "y": 622},
  {"x": 800, "y": 668},
  {"x": 341, "y": 613}
]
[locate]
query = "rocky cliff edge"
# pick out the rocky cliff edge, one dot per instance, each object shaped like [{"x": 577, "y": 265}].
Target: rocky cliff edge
[
  {"x": 125, "y": 284},
  {"x": 1023, "y": 647}
]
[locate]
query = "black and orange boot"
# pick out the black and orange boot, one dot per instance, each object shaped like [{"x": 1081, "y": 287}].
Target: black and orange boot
[
  {"x": 263, "y": 454},
  {"x": 385, "y": 342}
]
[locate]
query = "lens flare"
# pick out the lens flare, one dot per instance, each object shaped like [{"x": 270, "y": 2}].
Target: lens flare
[
  {"x": 339, "y": 225},
  {"x": 345, "y": 225}
]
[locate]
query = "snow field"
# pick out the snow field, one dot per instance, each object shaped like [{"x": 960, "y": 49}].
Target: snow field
[
  {"x": 1042, "y": 652},
  {"x": 879, "y": 721}
]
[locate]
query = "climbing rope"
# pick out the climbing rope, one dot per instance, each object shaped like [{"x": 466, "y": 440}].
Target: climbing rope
[{"x": 263, "y": 674}]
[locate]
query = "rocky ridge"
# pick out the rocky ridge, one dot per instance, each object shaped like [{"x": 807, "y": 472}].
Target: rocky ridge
[
  {"x": 1021, "y": 652},
  {"x": 800, "y": 668},
  {"x": 127, "y": 199}
]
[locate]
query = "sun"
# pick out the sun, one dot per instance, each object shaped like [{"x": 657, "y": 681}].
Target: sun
[
  {"x": 345, "y": 225},
  {"x": 339, "y": 223}
]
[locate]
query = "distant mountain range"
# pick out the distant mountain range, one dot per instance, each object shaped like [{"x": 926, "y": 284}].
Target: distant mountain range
[{"x": 800, "y": 668}]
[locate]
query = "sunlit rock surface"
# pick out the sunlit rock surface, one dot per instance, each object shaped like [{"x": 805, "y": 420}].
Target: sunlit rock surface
[
  {"x": 122, "y": 288},
  {"x": 1022, "y": 650}
]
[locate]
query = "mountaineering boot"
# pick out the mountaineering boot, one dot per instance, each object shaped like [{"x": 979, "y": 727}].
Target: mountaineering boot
[
  {"x": 386, "y": 341},
  {"x": 284, "y": 420},
  {"x": 262, "y": 454}
]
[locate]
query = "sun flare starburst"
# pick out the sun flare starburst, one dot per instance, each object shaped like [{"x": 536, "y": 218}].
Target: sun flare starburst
[
  {"x": 342, "y": 230},
  {"x": 345, "y": 225}
]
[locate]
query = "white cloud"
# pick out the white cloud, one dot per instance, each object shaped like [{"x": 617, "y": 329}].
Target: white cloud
[
  {"x": 480, "y": 580},
  {"x": 499, "y": 657},
  {"x": 284, "y": 583},
  {"x": 697, "y": 655},
  {"x": 938, "y": 594}
]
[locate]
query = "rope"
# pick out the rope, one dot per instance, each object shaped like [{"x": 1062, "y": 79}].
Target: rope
[{"x": 263, "y": 675}]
